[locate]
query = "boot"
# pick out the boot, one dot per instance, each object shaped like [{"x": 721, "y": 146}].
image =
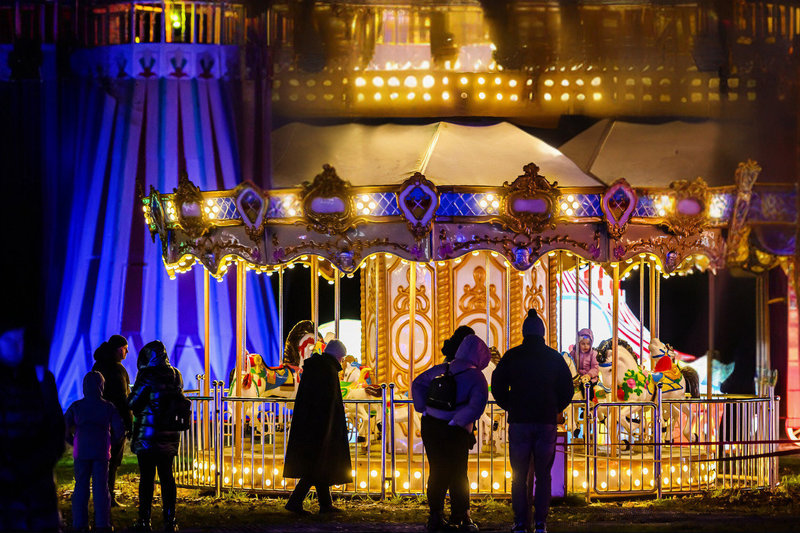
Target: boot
[
  {"x": 143, "y": 522},
  {"x": 170, "y": 524},
  {"x": 436, "y": 522}
]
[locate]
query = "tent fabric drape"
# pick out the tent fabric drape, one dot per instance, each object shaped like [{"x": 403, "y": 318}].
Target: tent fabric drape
[{"x": 113, "y": 278}]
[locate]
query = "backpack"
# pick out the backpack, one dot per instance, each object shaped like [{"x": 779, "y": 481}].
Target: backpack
[
  {"x": 177, "y": 413},
  {"x": 442, "y": 391}
]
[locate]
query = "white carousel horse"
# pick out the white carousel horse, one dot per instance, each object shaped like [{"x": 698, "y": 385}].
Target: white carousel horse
[
  {"x": 635, "y": 384},
  {"x": 574, "y": 414},
  {"x": 492, "y": 423}
]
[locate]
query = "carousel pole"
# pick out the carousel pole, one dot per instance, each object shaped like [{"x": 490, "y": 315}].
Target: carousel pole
[
  {"x": 337, "y": 300},
  {"x": 614, "y": 352},
  {"x": 315, "y": 295},
  {"x": 281, "y": 316},
  {"x": 241, "y": 303},
  {"x": 560, "y": 300},
  {"x": 652, "y": 302},
  {"x": 657, "y": 305},
  {"x": 577, "y": 303},
  {"x": 412, "y": 320},
  {"x": 591, "y": 265},
  {"x": 641, "y": 311},
  {"x": 711, "y": 320},
  {"x": 377, "y": 303},
  {"x": 508, "y": 303},
  {"x": 206, "y": 333},
  {"x": 486, "y": 265}
]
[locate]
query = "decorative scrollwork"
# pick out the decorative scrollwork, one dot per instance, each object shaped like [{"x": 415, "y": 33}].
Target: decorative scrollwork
[
  {"x": 690, "y": 201},
  {"x": 738, "y": 230},
  {"x": 473, "y": 298},
  {"x": 327, "y": 203},
  {"x": 529, "y": 202},
  {"x": 156, "y": 212},
  {"x": 345, "y": 252},
  {"x": 618, "y": 204},
  {"x": 252, "y": 207},
  {"x": 189, "y": 208},
  {"x": 418, "y": 200}
]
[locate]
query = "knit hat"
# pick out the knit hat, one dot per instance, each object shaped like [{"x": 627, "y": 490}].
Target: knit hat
[
  {"x": 450, "y": 346},
  {"x": 532, "y": 325},
  {"x": 336, "y": 348},
  {"x": 117, "y": 341}
]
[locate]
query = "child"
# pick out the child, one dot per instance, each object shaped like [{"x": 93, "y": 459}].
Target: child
[
  {"x": 586, "y": 358},
  {"x": 93, "y": 425}
]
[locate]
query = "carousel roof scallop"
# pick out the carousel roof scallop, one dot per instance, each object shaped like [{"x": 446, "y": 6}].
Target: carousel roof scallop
[
  {"x": 654, "y": 155},
  {"x": 446, "y": 153}
]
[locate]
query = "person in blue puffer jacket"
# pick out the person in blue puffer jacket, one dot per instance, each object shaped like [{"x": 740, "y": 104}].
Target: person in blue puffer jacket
[{"x": 448, "y": 435}]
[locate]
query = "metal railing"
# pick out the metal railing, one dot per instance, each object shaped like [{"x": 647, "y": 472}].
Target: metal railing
[{"x": 608, "y": 449}]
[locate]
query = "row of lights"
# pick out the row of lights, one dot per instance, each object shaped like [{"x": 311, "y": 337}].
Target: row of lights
[{"x": 427, "y": 97}]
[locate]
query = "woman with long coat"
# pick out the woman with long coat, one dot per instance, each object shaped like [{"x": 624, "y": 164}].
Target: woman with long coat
[
  {"x": 154, "y": 444},
  {"x": 318, "y": 452}
]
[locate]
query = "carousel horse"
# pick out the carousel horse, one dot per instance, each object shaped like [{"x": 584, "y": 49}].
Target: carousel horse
[
  {"x": 356, "y": 384},
  {"x": 262, "y": 381},
  {"x": 492, "y": 423},
  {"x": 635, "y": 384}
]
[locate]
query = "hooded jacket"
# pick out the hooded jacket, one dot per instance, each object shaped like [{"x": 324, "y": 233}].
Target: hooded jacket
[
  {"x": 117, "y": 383},
  {"x": 93, "y": 424},
  {"x": 532, "y": 382},
  {"x": 156, "y": 380},
  {"x": 472, "y": 391},
  {"x": 586, "y": 362}
]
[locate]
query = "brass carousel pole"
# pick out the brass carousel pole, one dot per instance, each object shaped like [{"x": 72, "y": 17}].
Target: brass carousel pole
[
  {"x": 641, "y": 311},
  {"x": 486, "y": 265},
  {"x": 508, "y": 304},
  {"x": 337, "y": 300},
  {"x": 577, "y": 304},
  {"x": 711, "y": 320},
  {"x": 614, "y": 348},
  {"x": 281, "y": 317},
  {"x": 412, "y": 323},
  {"x": 241, "y": 303},
  {"x": 206, "y": 353},
  {"x": 652, "y": 303},
  {"x": 315, "y": 295},
  {"x": 560, "y": 300}
]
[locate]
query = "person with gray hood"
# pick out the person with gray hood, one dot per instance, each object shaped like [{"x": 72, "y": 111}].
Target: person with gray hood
[
  {"x": 93, "y": 426},
  {"x": 534, "y": 385},
  {"x": 448, "y": 435}
]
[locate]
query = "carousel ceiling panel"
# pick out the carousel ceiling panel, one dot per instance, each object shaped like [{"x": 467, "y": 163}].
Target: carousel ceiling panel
[
  {"x": 447, "y": 154},
  {"x": 649, "y": 155}
]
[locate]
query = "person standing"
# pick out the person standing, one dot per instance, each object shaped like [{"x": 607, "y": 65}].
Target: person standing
[
  {"x": 31, "y": 437},
  {"x": 318, "y": 451},
  {"x": 155, "y": 444},
  {"x": 450, "y": 346},
  {"x": 93, "y": 427},
  {"x": 448, "y": 435},
  {"x": 532, "y": 382},
  {"x": 108, "y": 361}
]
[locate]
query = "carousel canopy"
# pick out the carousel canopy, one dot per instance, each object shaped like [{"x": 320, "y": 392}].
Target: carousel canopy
[
  {"x": 447, "y": 154},
  {"x": 648, "y": 155}
]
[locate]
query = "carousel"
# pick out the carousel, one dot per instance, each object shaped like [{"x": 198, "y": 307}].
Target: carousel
[{"x": 441, "y": 242}]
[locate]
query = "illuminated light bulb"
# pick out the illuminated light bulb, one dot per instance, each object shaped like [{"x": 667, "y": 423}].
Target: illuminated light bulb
[
  {"x": 260, "y": 470},
  {"x": 483, "y": 203},
  {"x": 363, "y": 484},
  {"x": 677, "y": 480},
  {"x": 396, "y": 473},
  {"x": 394, "y": 96},
  {"x": 428, "y": 81},
  {"x": 564, "y": 97},
  {"x": 445, "y": 80},
  {"x": 426, "y": 97},
  {"x": 445, "y": 95},
  {"x": 579, "y": 82},
  {"x": 247, "y": 470},
  {"x": 636, "y": 482},
  {"x": 685, "y": 468},
  {"x": 499, "y": 96},
  {"x": 571, "y": 198},
  {"x": 360, "y": 82},
  {"x": 612, "y": 473},
  {"x": 417, "y": 474},
  {"x": 508, "y": 474},
  {"x": 283, "y": 483},
  {"x": 373, "y": 473},
  {"x": 581, "y": 97},
  {"x": 405, "y": 485},
  {"x": 666, "y": 481},
  {"x": 473, "y": 486},
  {"x": 596, "y": 81},
  {"x": 484, "y": 473},
  {"x": 475, "y": 253},
  {"x": 377, "y": 81},
  {"x": 410, "y": 96},
  {"x": 597, "y": 96},
  {"x": 565, "y": 83},
  {"x": 276, "y": 471},
  {"x": 652, "y": 483},
  {"x": 240, "y": 481},
  {"x": 410, "y": 82},
  {"x": 360, "y": 205},
  {"x": 570, "y": 212},
  {"x": 482, "y": 96},
  {"x": 603, "y": 485},
  {"x": 564, "y": 207},
  {"x": 353, "y": 473},
  {"x": 628, "y": 472},
  {"x": 393, "y": 82},
  {"x": 234, "y": 469},
  {"x": 548, "y": 83},
  {"x": 227, "y": 479},
  {"x": 268, "y": 482},
  {"x": 496, "y": 485},
  {"x": 672, "y": 469},
  {"x": 495, "y": 204},
  {"x": 584, "y": 484},
  {"x": 547, "y": 97},
  {"x": 575, "y": 205},
  {"x": 360, "y": 97},
  {"x": 481, "y": 80},
  {"x": 514, "y": 98},
  {"x": 377, "y": 97},
  {"x": 372, "y": 205}
]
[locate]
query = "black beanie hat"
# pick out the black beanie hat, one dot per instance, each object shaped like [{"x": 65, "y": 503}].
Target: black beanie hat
[
  {"x": 532, "y": 325},
  {"x": 117, "y": 341},
  {"x": 450, "y": 346}
]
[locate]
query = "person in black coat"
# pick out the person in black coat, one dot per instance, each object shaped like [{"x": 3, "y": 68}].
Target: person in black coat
[
  {"x": 534, "y": 385},
  {"x": 154, "y": 444},
  {"x": 108, "y": 361},
  {"x": 318, "y": 451}
]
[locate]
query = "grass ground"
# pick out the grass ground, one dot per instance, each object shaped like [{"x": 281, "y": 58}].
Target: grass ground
[{"x": 735, "y": 511}]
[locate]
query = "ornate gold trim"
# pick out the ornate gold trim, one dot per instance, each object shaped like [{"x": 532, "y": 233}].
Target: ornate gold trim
[
  {"x": 254, "y": 228},
  {"x": 328, "y": 185},
  {"x": 419, "y": 224},
  {"x": 682, "y": 190},
  {"x": 529, "y": 186},
  {"x": 443, "y": 290},
  {"x": 516, "y": 308},
  {"x": 186, "y": 195}
]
